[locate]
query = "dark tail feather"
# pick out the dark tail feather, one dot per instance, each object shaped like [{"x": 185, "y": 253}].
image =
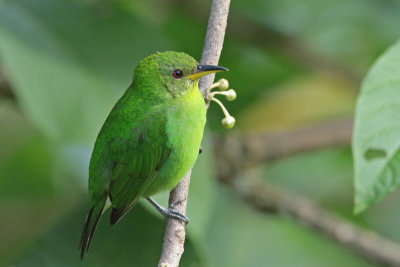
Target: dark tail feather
[
  {"x": 90, "y": 225},
  {"x": 117, "y": 214}
]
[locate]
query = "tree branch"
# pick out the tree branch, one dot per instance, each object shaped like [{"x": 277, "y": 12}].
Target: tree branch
[
  {"x": 267, "y": 198},
  {"x": 175, "y": 231},
  {"x": 243, "y": 151}
]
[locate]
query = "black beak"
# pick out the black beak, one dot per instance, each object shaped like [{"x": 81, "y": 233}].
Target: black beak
[{"x": 206, "y": 69}]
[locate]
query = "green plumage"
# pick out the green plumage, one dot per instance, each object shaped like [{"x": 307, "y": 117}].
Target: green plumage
[{"x": 150, "y": 139}]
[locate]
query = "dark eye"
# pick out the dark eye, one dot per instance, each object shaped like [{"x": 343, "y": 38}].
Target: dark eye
[{"x": 177, "y": 74}]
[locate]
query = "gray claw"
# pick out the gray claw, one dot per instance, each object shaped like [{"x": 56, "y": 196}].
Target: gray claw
[{"x": 170, "y": 212}]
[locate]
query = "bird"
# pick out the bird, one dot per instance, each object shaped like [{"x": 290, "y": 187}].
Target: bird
[{"x": 149, "y": 140}]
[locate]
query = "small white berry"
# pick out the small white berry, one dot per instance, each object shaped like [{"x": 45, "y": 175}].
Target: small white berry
[
  {"x": 228, "y": 122},
  {"x": 223, "y": 84},
  {"x": 231, "y": 95}
]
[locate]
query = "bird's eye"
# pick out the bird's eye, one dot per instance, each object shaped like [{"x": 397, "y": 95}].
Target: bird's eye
[{"x": 177, "y": 74}]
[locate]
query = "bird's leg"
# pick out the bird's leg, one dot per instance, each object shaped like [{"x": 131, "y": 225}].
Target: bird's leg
[
  {"x": 170, "y": 212},
  {"x": 200, "y": 150}
]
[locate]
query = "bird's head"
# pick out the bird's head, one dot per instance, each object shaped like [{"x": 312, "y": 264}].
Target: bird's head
[{"x": 178, "y": 72}]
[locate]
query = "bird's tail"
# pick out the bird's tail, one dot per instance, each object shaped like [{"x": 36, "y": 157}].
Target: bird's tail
[{"x": 90, "y": 225}]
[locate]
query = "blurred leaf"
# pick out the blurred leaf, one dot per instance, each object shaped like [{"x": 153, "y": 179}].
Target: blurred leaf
[
  {"x": 300, "y": 101},
  {"x": 27, "y": 192},
  {"x": 377, "y": 128},
  {"x": 25, "y": 158},
  {"x": 350, "y": 32},
  {"x": 239, "y": 236},
  {"x": 187, "y": 33},
  {"x": 27, "y": 172},
  {"x": 69, "y": 61},
  {"x": 71, "y": 163},
  {"x": 26, "y": 185},
  {"x": 15, "y": 131}
]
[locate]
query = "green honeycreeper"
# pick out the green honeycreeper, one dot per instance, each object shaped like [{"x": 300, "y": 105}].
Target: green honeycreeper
[{"x": 150, "y": 139}]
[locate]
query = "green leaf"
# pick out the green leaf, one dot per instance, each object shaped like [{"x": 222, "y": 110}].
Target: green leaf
[{"x": 376, "y": 142}]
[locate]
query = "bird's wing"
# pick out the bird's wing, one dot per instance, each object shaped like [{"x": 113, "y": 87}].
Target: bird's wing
[{"x": 138, "y": 159}]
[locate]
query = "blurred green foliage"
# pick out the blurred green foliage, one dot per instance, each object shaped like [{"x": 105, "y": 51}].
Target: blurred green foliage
[{"x": 68, "y": 62}]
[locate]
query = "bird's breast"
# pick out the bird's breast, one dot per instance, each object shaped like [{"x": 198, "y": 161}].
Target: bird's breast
[{"x": 185, "y": 124}]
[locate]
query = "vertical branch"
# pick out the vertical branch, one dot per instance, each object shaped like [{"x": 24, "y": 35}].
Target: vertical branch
[
  {"x": 175, "y": 234},
  {"x": 214, "y": 38}
]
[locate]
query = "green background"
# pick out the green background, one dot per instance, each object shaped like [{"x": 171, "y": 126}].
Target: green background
[{"x": 292, "y": 63}]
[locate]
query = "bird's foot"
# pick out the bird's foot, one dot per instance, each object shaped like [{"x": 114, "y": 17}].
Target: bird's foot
[
  {"x": 170, "y": 212},
  {"x": 200, "y": 150}
]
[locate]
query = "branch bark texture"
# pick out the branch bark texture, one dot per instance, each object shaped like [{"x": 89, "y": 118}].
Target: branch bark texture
[
  {"x": 174, "y": 239},
  {"x": 268, "y": 198},
  {"x": 244, "y": 151}
]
